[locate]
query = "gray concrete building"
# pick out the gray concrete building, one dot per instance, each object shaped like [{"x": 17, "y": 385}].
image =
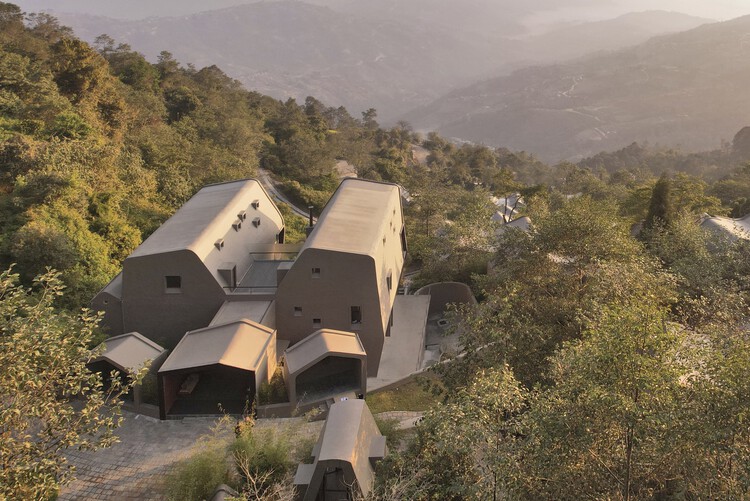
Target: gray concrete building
[
  {"x": 217, "y": 285},
  {"x": 346, "y": 275},
  {"x": 180, "y": 276}
]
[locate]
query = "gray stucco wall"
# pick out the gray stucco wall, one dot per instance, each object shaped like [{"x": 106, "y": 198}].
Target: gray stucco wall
[
  {"x": 161, "y": 315},
  {"x": 345, "y": 280}
]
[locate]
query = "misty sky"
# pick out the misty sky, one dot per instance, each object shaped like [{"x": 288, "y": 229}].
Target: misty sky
[{"x": 564, "y": 10}]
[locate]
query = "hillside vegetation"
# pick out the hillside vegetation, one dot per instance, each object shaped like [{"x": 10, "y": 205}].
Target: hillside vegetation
[{"x": 98, "y": 147}]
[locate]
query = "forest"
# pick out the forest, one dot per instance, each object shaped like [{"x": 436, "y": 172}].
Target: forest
[{"x": 607, "y": 357}]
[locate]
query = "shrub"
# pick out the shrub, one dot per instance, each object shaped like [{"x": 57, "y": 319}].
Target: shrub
[
  {"x": 262, "y": 453},
  {"x": 195, "y": 478}
]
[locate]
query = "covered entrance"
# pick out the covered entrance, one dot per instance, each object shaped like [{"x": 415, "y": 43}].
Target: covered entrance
[
  {"x": 325, "y": 364},
  {"x": 217, "y": 370}
]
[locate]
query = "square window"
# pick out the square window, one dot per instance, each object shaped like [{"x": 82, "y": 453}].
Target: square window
[
  {"x": 317, "y": 323},
  {"x": 356, "y": 314},
  {"x": 298, "y": 311},
  {"x": 316, "y": 272},
  {"x": 173, "y": 283}
]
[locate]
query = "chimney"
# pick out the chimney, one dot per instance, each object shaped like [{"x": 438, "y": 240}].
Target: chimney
[{"x": 310, "y": 225}]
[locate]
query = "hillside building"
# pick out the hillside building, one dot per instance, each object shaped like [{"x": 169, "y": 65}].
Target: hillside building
[{"x": 217, "y": 285}]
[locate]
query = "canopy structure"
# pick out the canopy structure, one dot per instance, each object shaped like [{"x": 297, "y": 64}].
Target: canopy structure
[
  {"x": 323, "y": 364},
  {"x": 217, "y": 368},
  {"x": 128, "y": 352}
]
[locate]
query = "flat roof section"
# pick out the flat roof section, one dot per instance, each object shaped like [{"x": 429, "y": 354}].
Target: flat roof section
[
  {"x": 241, "y": 344},
  {"x": 129, "y": 352},
  {"x": 232, "y": 311}
]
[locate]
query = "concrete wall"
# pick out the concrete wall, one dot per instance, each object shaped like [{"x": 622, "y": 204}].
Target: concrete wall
[
  {"x": 164, "y": 316},
  {"x": 345, "y": 280},
  {"x": 445, "y": 293},
  {"x": 112, "y": 321}
]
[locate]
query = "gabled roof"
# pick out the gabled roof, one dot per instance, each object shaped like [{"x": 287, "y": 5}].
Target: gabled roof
[
  {"x": 355, "y": 217},
  {"x": 241, "y": 344},
  {"x": 350, "y": 438},
  {"x": 129, "y": 352},
  {"x": 203, "y": 219},
  {"x": 321, "y": 344}
]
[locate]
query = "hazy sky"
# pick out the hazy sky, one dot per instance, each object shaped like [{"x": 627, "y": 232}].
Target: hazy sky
[{"x": 581, "y": 10}]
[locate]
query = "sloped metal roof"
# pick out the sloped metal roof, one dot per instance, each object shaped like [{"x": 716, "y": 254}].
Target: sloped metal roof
[
  {"x": 321, "y": 344},
  {"x": 241, "y": 344},
  {"x": 355, "y": 218},
  {"x": 205, "y": 218},
  {"x": 129, "y": 352}
]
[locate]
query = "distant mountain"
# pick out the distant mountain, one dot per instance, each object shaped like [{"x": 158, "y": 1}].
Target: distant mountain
[
  {"x": 688, "y": 89},
  {"x": 296, "y": 49},
  {"x": 394, "y": 57}
]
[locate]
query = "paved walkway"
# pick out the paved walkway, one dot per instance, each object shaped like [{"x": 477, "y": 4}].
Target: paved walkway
[{"x": 135, "y": 467}]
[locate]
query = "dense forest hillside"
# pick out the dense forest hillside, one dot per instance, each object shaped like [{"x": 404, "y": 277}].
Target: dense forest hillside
[
  {"x": 98, "y": 147},
  {"x": 686, "y": 90}
]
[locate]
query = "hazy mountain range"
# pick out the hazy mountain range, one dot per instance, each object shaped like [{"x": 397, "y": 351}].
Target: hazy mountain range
[
  {"x": 353, "y": 54},
  {"x": 688, "y": 89}
]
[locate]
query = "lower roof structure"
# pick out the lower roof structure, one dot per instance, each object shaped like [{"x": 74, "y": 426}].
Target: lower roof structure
[
  {"x": 349, "y": 444},
  {"x": 129, "y": 352},
  {"x": 241, "y": 344}
]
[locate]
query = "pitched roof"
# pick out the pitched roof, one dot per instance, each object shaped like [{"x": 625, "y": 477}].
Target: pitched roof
[
  {"x": 355, "y": 216},
  {"x": 320, "y": 344},
  {"x": 241, "y": 344},
  {"x": 129, "y": 352},
  {"x": 203, "y": 219},
  {"x": 350, "y": 436}
]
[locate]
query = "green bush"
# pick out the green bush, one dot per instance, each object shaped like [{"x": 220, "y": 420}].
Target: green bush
[
  {"x": 195, "y": 478},
  {"x": 262, "y": 453},
  {"x": 273, "y": 392}
]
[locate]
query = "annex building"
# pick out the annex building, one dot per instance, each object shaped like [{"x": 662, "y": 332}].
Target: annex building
[{"x": 218, "y": 289}]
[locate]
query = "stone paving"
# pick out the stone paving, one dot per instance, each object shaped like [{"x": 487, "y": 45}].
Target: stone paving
[{"x": 135, "y": 468}]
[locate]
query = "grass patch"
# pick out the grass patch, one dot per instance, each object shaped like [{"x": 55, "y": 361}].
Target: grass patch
[{"x": 411, "y": 396}]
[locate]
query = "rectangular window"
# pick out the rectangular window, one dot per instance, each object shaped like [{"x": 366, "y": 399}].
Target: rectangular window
[
  {"x": 298, "y": 311},
  {"x": 389, "y": 280},
  {"x": 356, "y": 314},
  {"x": 173, "y": 283},
  {"x": 317, "y": 323},
  {"x": 316, "y": 272}
]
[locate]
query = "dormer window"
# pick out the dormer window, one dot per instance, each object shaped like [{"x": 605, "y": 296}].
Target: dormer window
[
  {"x": 242, "y": 215},
  {"x": 237, "y": 225},
  {"x": 219, "y": 243},
  {"x": 256, "y": 222},
  {"x": 256, "y": 204}
]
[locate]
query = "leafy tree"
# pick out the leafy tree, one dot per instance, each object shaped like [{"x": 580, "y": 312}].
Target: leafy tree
[
  {"x": 660, "y": 205},
  {"x": 50, "y": 400},
  {"x": 465, "y": 449}
]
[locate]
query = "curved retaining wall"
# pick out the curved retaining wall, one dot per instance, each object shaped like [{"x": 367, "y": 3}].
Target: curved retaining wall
[{"x": 445, "y": 293}]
